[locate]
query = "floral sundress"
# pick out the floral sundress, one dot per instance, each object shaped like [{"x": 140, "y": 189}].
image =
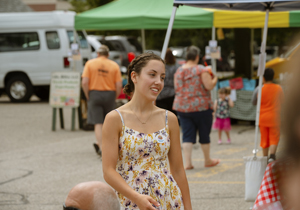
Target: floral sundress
[{"x": 143, "y": 164}]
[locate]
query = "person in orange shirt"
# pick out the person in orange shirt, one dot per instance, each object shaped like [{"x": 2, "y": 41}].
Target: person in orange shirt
[
  {"x": 269, "y": 118},
  {"x": 101, "y": 84}
]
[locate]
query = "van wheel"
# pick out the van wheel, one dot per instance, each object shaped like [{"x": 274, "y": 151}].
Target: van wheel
[{"x": 19, "y": 89}]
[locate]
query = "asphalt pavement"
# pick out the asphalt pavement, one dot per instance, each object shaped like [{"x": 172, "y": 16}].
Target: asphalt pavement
[{"x": 39, "y": 166}]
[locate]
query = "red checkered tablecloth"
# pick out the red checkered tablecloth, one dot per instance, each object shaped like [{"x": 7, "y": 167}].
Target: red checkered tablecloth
[{"x": 268, "y": 196}]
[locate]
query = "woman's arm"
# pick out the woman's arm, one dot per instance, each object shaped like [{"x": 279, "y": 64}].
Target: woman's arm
[
  {"x": 215, "y": 105},
  {"x": 85, "y": 87},
  {"x": 176, "y": 163},
  {"x": 112, "y": 128},
  {"x": 208, "y": 82}
]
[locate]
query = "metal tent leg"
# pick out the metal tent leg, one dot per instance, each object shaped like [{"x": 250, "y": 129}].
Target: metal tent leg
[
  {"x": 168, "y": 35},
  {"x": 214, "y": 66},
  {"x": 261, "y": 70}
]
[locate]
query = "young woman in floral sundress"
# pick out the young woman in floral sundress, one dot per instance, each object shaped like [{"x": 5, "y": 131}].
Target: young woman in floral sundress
[{"x": 141, "y": 156}]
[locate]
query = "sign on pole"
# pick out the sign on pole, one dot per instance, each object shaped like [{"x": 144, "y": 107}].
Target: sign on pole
[
  {"x": 65, "y": 89},
  {"x": 213, "y": 50}
]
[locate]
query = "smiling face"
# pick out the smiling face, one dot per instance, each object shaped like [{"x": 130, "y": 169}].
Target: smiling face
[{"x": 150, "y": 82}]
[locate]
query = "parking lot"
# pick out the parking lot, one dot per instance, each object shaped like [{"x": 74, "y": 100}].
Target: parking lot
[{"x": 40, "y": 166}]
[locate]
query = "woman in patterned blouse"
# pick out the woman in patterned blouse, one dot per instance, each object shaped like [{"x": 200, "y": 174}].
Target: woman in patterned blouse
[{"x": 194, "y": 107}]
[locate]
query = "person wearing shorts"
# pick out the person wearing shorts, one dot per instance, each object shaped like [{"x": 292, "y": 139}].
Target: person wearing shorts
[
  {"x": 269, "y": 118},
  {"x": 194, "y": 107},
  {"x": 101, "y": 84},
  {"x": 196, "y": 122}
]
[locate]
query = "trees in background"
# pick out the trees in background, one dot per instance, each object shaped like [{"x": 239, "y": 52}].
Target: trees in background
[{"x": 83, "y": 5}]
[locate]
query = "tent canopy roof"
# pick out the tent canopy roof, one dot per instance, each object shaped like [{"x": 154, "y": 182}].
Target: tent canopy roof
[{"x": 142, "y": 14}]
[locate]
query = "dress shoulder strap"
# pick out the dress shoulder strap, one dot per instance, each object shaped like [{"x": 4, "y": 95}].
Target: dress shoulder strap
[
  {"x": 166, "y": 118},
  {"x": 121, "y": 117}
]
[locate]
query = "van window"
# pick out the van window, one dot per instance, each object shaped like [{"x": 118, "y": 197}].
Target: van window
[
  {"x": 19, "y": 41},
  {"x": 71, "y": 37},
  {"x": 117, "y": 45},
  {"x": 80, "y": 39},
  {"x": 53, "y": 41},
  {"x": 108, "y": 44}
]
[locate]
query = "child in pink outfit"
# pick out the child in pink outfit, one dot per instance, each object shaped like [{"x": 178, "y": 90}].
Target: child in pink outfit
[{"x": 221, "y": 107}]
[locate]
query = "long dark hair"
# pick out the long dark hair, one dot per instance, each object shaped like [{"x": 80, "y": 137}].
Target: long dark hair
[
  {"x": 170, "y": 58},
  {"x": 136, "y": 65}
]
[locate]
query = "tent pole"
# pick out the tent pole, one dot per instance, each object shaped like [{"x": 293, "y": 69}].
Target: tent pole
[
  {"x": 260, "y": 72},
  {"x": 214, "y": 66},
  {"x": 213, "y": 61},
  {"x": 251, "y": 51},
  {"x": 143, "y": 39},
  {"x": 168, "y": 35}
]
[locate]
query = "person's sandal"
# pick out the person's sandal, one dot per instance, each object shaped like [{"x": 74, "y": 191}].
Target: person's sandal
[
  {"x": 97, "y": 149},
  {"x": 271, "y": 158}
]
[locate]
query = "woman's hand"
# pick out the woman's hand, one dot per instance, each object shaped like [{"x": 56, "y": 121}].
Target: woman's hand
[{"x": 145, "y": 202}]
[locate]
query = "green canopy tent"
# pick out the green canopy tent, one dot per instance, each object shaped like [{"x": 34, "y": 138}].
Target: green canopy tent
[{"x": 141, "y": 15}]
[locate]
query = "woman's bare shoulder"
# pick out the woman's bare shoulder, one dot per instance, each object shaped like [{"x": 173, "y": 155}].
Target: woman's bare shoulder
[
  {"x": 112, "y": 117},
  {"x": 172, "y": 117},
  {"x": 123, "y": 107}
]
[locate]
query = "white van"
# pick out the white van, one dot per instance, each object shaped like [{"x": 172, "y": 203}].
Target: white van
[{"x": 32, "y": 46}]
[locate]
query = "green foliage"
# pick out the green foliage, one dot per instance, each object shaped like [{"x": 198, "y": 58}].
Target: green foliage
[
  {"x": 83, "y": 5},
  {"x": 187, "y": 37},
  {"x": 155, "y": 38},
  {"x": 280, "y": 37},
  {"x": 97, "y": 3},
  {"x": 78, "y": 6}
]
